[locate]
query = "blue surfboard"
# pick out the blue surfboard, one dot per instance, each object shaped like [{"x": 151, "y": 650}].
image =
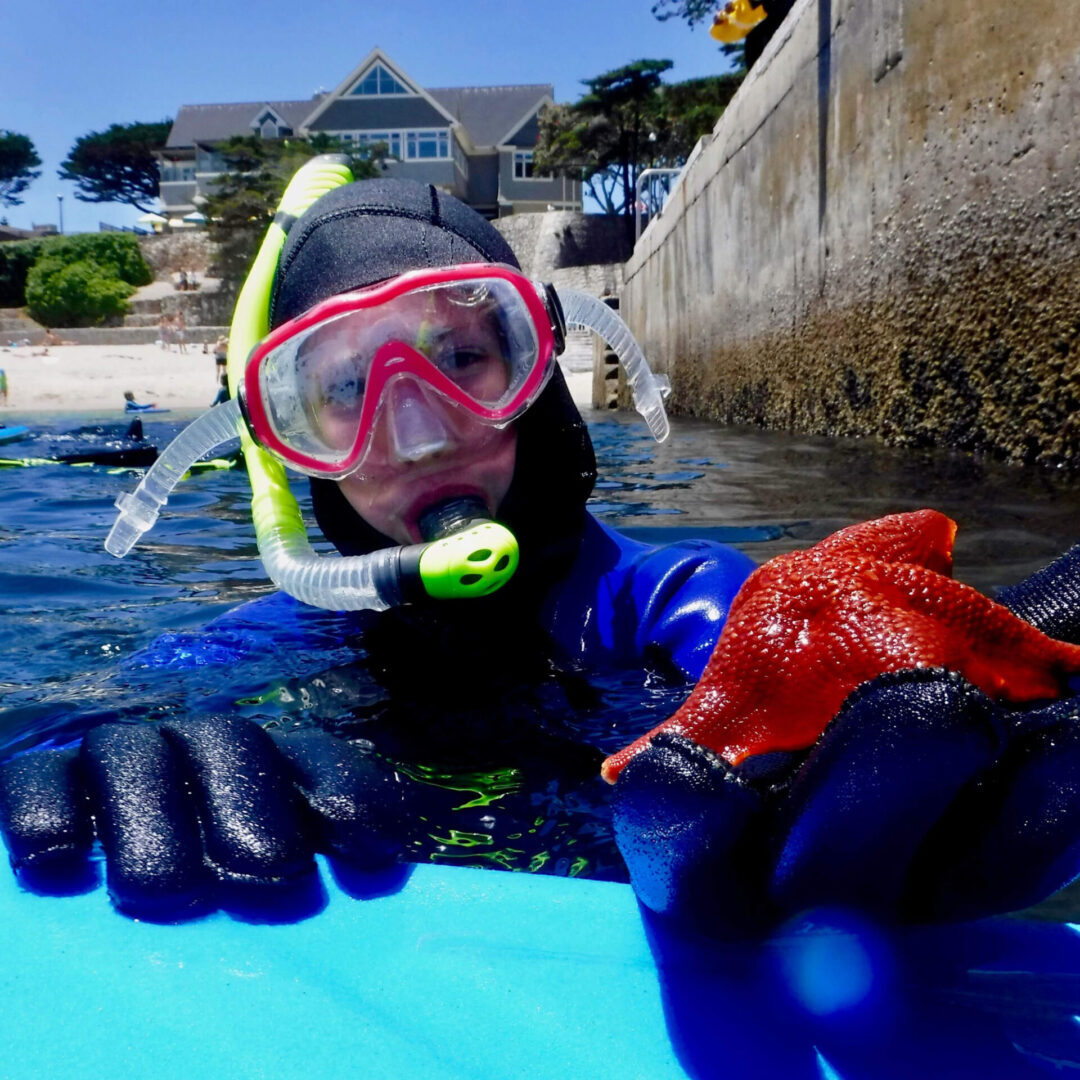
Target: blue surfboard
[{"x": 13, "y": 434}]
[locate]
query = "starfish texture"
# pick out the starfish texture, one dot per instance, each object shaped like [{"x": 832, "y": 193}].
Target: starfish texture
[{"x": 807, "y": 628}]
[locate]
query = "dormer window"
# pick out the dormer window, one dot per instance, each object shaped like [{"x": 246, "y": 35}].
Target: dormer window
[
  {"x": 270, "y": 126},
  {"x": 378, "y": 81}
]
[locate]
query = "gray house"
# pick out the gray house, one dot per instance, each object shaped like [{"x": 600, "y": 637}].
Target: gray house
[{"x": 475, "y": 142}]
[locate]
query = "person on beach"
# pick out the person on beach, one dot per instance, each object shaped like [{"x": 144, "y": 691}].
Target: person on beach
[
  {"x": 411, "y": 374},
  {"x": 165, "y": 331},
  {"x": 221, "y": 356},
  {"x": 223, "y": 391},
  {"x": 131, "y": 405},
  {"x": 179, "y": 330}
]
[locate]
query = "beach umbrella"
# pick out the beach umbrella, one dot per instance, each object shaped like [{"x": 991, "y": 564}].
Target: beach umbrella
[
  {"x": 195, "y": 218},
  {"x": 151, "y": 219}
]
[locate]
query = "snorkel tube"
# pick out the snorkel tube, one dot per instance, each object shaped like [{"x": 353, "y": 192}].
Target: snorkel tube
[{"x": 465, "y": 553}]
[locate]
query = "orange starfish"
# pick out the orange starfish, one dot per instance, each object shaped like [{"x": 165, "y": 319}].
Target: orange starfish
[{"x": 807, "y": 628}]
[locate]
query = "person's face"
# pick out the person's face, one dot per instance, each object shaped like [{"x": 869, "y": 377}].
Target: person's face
[
  {"x": 447, "y": 453},
  {"x": 422, "y": 449}
]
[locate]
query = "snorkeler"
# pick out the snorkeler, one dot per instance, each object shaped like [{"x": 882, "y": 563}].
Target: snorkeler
[
  {"x": 131, "y": 405},
  {"x": 390, "y": 349}
]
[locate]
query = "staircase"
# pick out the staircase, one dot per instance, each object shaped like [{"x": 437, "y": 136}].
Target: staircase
[{"x": 16, "y": 328}]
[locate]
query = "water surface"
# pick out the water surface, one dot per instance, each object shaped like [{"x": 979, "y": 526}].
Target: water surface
[{"x": 73, "y": 613}]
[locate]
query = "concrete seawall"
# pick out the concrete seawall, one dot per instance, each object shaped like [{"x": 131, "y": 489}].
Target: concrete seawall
[{"x": 882, "y": 235}]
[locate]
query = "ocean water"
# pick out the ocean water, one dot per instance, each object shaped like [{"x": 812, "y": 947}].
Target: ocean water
[{"x": 73, "y": 614}]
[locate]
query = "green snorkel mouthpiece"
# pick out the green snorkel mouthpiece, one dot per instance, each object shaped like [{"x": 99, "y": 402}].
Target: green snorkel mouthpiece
[{"x": 465, "y": 554}]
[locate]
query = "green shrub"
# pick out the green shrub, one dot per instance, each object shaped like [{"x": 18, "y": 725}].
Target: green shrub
[
  {"x": 118, "y": 254},
  {"x": 15, "y": 262},
  {"x": 82, "y": 293}
]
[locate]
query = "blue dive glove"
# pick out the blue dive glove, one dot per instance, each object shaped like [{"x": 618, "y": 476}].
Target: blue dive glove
[
  {"x": 197, "y": 812},
  {"x": 921, "y": 800}
]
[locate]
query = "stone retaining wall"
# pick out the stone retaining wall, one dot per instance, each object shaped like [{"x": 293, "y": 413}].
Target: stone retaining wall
[
  {"x": 169, "y": 253},
  {"x": 882, "y": 235},
  {"x": 580, "y": 251}
]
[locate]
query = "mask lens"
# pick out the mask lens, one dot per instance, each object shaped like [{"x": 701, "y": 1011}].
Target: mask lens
[{"x": 478, "y": 335}]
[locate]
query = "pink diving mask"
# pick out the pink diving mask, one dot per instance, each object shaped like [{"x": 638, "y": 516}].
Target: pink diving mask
[{"x": 482, "y": 338}]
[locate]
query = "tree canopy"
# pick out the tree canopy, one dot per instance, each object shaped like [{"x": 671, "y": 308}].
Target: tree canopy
[
  {"x": 18, "y": 161},
  {"x": 117, "y": 165},
  {"x": 628, "y": 121},
  {"x": 245, "y": 196}
]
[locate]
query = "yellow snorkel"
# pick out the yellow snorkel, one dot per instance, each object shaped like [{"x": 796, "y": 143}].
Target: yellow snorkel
[
  {"x": 468, "y": 555},
  {"x": 465, "y": 553}
]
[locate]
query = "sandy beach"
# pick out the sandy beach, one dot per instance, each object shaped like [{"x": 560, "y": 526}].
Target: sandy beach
[{"x": 93, "y": 378}]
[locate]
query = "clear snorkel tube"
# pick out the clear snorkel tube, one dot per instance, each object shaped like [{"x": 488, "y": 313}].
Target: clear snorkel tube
[
  {"x": 584, "y": 312},
  {"x": 468, "y": 555}
]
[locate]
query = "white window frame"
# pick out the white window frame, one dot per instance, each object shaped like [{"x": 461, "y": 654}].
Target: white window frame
[
  {"x": 461, "y": 159},
  {"x": 524, "y": 169},
  {"x": 393, "y": 140},
  {"x": 441, "y": 137},
  {"x": 355, "y": 90}
]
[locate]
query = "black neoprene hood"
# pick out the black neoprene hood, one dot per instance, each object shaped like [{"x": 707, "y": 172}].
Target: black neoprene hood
[{"x": 371, "y": 230}]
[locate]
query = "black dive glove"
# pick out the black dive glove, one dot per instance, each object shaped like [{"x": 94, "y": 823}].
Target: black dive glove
[
  {"x": 193, "y": 812},
  {"x": 921, "y": 800}
]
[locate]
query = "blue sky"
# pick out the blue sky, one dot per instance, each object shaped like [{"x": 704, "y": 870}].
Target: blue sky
[{"x": 77, "y": 67}]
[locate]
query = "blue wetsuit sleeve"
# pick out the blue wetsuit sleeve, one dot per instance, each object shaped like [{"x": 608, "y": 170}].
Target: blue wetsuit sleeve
[
  {"x": 679, "y": 597},
  {"x": 629, "y": 603}
]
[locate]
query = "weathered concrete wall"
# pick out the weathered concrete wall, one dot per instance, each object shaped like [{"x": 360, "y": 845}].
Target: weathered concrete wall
[{"x": 881, "y": 235}]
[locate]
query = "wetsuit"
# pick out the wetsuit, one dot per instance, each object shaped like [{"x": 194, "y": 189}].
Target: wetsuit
[
  {"x": 496, "y": 715},
  {"x": 622, "y": 604}
]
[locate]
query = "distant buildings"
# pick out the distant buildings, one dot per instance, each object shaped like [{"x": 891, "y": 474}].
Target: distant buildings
[
  {"x": 9, "y": 232},
  {"x": 475, "y": 142}
]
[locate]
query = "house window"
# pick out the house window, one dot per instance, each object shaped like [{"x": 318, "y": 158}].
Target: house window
[
  {"x": 459, "y": 158},
  {"x": 172, "y": 173},
  {"x": 427, "y": 144},
  {"x": 208, "y": 162},
  {"x": 392, "y": 139},
  {"x": 268, "y": 127},
  {"x": 378, "y": 81},
  {"x": 523, "y": 165}
]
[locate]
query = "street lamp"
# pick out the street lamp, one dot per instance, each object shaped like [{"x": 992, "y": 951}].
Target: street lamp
[{"x": 60, "y": 200}]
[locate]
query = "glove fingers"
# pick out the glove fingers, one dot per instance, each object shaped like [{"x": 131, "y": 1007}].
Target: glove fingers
[
  {"x": 356, "y": 802},
  {"x": 251, "y": 814},
  {"x": 145, "y": 823},
  {"x": 43, "y": 812},
  {"x": 883, "y": 773},
  {"x": 1050, "y": 598},
  {"x": 1014, "y": 838},
  {"x": 680, "y": 816}
]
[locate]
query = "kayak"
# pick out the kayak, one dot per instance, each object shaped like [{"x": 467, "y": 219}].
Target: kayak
[
  {"x": 435, "y": 971},
  {"x": 128, "y": 456},
  {"x": 13, "y": 434}
]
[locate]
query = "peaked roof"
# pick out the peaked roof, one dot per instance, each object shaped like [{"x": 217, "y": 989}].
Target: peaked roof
[
  {"x": 209, "y": 123},
  {"x": 490, "y": 113},
  {"x": 376, "y": 56}
]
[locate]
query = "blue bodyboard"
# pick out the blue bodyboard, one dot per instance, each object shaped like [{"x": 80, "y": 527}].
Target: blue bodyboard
[
  {"x": 13, "y": 433},
  {"x": 452, "y": 972}
]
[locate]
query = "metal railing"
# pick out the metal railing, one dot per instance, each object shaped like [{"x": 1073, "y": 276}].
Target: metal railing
[{"x": 650, "y": 174}]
